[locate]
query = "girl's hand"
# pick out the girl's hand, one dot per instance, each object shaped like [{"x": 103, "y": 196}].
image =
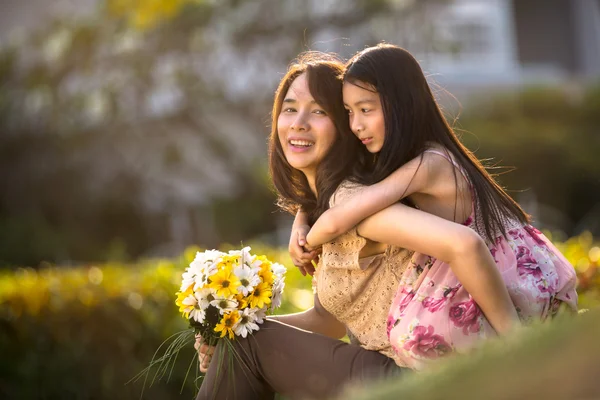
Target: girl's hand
[
  {"x": 205, "y": 353},
  {"x": 301, "y": 256}
]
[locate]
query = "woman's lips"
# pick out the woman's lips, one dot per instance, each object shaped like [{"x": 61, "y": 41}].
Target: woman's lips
[{"x": 299, "y": 149}]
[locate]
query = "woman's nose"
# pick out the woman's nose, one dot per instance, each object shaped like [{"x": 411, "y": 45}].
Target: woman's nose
[{"x": 300, "y": 123}]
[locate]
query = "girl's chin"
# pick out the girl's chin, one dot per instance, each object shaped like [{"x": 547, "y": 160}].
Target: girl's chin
[{"x": 373, "y": 148}]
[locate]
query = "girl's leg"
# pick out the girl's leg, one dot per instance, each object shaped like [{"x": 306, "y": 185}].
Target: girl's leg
[{"x": 282, "y": 359}]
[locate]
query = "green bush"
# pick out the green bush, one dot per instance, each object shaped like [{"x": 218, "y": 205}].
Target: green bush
[
  {"x": 82, "y": 333},
  {"x": 550, "y": 135}
]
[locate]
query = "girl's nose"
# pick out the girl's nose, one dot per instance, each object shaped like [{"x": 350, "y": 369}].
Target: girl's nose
[{"x": 356, "y": 125}]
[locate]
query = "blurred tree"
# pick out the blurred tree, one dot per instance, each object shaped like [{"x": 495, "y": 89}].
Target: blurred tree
[
  {"x": 147, "y": 124},
  {"x": 145, "y": 14}
]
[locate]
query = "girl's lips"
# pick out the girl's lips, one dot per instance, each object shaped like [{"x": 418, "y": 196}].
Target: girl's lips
[{"x": 367, "y": 140}]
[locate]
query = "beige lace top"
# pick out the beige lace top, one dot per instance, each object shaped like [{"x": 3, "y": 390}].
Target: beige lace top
[{"x": 359, "y": 292}]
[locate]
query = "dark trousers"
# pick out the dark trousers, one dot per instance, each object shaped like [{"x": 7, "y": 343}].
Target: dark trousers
[{"x": 295, "y": 363}]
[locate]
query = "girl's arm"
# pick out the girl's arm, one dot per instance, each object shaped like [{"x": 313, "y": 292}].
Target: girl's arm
[
  {"x": 461, "y": 247},
  {"x": 315, "y": 319},
  {"x": 416, "y": 176}
]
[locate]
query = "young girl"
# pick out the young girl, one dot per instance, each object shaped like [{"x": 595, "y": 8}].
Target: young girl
[{"x": 416, "y": 156}]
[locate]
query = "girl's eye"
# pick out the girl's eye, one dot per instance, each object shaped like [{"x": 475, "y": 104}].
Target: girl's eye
[
  {"x": 289, "y": 110},
  {"x": 348, "y": 111},
  {"x": 320, "y": 112},
  {"x": 364, "y": 110}
]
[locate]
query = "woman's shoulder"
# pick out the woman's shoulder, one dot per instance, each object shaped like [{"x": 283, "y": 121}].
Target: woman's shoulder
[{"x": 344, "y": 191}]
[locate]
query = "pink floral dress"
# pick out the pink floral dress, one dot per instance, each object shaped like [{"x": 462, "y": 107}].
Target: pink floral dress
[{"x": 432, "y": 314}]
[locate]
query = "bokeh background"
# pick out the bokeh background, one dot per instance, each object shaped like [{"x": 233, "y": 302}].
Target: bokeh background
[{"x": 133, "y": 132}]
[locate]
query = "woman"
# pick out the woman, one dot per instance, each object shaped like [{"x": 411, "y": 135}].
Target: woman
[{"x": 311, "y": 152}]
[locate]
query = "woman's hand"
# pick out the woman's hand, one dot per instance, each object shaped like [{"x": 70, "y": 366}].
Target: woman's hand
[
  {"x": 301, "y": 256},
  {"x": 205, "y": 353}
]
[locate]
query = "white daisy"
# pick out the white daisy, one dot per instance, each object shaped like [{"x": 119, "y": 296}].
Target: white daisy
[
  {"x": 198, "y": 314},
  {"x": 277, "y": 293},
  {"x": 248, "y": 278},
  {"x": 193, "y": 309},
  {"x": 278, "y": 269},
  {"x": 188, "y": 278},
  {"x": 260, "y": 314},
  {"x": 212, "y": 255},
  {"x": 207, "y": 271},
  {"x": 204, "y": 296},
  {"x": 247, "y": 323},
  {"x": 190, "y": 303},
  {"x": 224, "y": 305}
]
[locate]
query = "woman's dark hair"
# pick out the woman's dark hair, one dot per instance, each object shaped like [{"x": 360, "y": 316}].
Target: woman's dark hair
[
  {"x": 412, "y": 120},
  {"x": 323, "y": 72}
]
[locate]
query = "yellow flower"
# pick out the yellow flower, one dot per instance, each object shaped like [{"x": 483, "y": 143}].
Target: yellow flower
[
  {"x": 229, "y": 262},
  {"x": 227, "y": 323},
  {"x": 242, "y": 300},
  {"x": 261, "y": 295},
  {"x": 265, "y": 273},
  {"x": 184, "y": 308},
  {"x": 225, "y": 282}
]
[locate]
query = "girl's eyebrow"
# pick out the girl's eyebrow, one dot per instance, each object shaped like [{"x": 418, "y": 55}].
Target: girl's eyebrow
[{"x": 363, "y": 101}]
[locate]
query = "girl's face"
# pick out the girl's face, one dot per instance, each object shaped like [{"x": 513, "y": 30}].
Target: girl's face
[
  {"x": 366, "y": 115},
  {"x": 305, "y": 131}
]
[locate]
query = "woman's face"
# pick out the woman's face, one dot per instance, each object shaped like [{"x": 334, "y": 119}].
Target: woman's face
[
  {"x": 305, "y": 131},
  {"x": 366, "y": 115}
]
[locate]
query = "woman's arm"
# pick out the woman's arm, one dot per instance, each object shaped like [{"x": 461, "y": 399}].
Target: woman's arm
[
  {"x": 301, "y": 257},
  {"x": 461, "y": 247},
  {"x": 315, "y": 319},
  {"x": 416, "y": 176}
]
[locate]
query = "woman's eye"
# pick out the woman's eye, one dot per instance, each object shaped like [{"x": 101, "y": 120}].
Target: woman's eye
[
  {"x": 348, "y": 111},
  {"x": 364, "y": 110},
  {"x": 289, "y": 110},
  {"x": 320, "y": 112}
]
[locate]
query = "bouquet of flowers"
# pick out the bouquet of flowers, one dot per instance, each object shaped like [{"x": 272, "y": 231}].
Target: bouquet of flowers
[
  {"x": 222, "y": 296},
  {"x": 229, "y": 294}
]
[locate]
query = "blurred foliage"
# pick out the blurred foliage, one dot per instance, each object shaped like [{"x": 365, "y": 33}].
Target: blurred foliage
[
  {"x": 550, "y": 135},
  {"x": 83, "y": 332}
]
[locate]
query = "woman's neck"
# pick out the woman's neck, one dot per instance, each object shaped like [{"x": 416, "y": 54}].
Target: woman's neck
[{"x": 312, "y": 182}]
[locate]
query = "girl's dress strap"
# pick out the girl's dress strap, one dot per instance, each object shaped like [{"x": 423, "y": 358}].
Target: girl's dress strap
[{"x": 450, "y": 159}]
